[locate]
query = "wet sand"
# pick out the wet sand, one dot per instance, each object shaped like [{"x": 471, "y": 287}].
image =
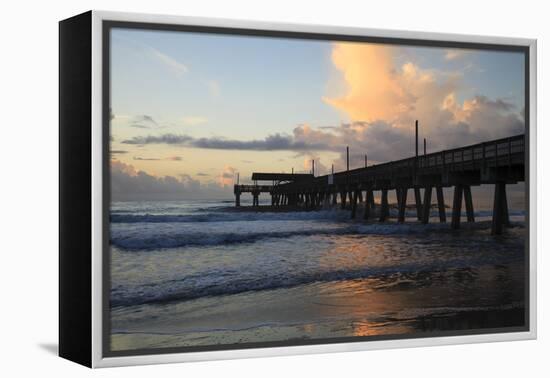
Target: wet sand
[{"x": 420, "y": 303}]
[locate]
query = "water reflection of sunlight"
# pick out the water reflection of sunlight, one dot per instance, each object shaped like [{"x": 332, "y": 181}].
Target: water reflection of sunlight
[
  {"x": 309, "y": 328},
  {"x": 369, "y": 328},
  {"x": 350, "y": 252},
  {"x": 359, "y": 300}
]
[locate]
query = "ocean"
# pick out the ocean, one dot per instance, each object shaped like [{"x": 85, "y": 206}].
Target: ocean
[{"x": 201, "y": 273}]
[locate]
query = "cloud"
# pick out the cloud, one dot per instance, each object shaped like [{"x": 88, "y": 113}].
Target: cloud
[
  {"x": 226, "y": 177},
  {"x": 444, "y": 121},
  {"x": 189, "y": 182},
  {"x": 383, "y": 141},
  {"x": 446, "y": 124},
  {"x": 201, "y": 174},
  {"x": 147, "y": 118},
  {"x": 194, "y": 120},
  {"x": 375, "y": 90},
  {"x": 143, "y": 121},
  {"x": 275, "y": 142},
  {"x": 454, "y": 54},
  {"x": 380, "y": 140},
  {"x": 160, "y": 139},
  {"x": 383, "y": 99},
  {"x": 128, "y": 184},
  {"x": 170, "y": 158},
  {"x": 270, "y": 143},
  {"x": 179, "y": 69},
  {"x": 114, "y": 152},
  {"x": 320, "y": 168},
  {"x": 145, "y": 159},
  {"x": 176, "y": 67}
]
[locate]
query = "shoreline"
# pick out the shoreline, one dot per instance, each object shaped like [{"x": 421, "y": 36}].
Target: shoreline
[
  {"x": 444, "y": 324},
  {"x": 448, "y": 300}
]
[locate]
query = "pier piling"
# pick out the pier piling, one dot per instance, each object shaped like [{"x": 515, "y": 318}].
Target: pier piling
[
  {"x": 457, "y": 207},
  {"x": 384, "y": 208},
  {"x": 402, "y": 205},
  {"x": 469, "y": 203},
  {"x": 500, "y": 209},
  {"x": 343, "y": 195},
  {"x": 418, "y": 202},
  {"x": 369, "y": 204},
  {"x": 441, "y": 205},
  {"x": 354, "y": 203},
  {"x": 427, "y": 205}
]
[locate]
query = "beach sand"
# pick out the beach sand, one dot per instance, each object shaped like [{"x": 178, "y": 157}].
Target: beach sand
[{"x": 419, "y": 303}]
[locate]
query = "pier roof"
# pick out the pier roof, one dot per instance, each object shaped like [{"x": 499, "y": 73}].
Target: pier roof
[{"x": 259, "y": 176}]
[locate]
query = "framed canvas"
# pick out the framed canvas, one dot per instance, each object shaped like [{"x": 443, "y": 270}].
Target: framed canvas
[{"x": 233, "y": 189}]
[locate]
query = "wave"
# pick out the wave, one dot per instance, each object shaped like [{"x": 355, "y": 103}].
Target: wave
[
  {"x": 212, "y": 285},
  {"x": 194, "y": 287},
  {"x": 149, "y": 240},
  {"x": 218, "y": 215},
  {"x": 221, "y": 216},
  {"x": 146, "y": 242}
]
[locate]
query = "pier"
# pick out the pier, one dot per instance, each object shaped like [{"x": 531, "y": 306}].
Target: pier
[
  {"x": 276, "y": 179},
  {"x": 497, "y": 162}
]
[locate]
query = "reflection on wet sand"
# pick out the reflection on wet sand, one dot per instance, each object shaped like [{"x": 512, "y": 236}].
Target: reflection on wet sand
[{"x": 396, "y": 304}]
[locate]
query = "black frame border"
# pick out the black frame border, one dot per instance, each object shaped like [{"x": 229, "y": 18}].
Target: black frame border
[
  {"x": 75, "y": 188},
  {"x": 108, "y": 25}
]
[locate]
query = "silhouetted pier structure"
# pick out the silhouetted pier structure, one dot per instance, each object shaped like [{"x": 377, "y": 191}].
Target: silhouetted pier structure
[
  {"x": 499, "y": 162},
  {"x": 276, "y": 179}
]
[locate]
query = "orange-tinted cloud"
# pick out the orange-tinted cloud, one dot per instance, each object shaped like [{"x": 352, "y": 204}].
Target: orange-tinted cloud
[
  {"x": 380, "y": 89},
  {"x": 385, "y": 95},
  {"x": 320, "y": 168},
  {"x": 227, "y": 176},
  {"x": 375, "y": 89}
]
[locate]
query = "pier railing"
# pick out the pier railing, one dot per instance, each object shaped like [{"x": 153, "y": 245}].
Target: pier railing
[
  {"x": 253, "y": 188},
  {"x": 501, "y": 152}
]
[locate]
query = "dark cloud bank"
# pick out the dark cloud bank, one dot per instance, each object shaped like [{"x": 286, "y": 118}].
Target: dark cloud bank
[{"x": 128, "y": 184}]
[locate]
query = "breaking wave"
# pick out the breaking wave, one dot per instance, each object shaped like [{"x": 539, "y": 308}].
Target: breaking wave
[{"x": 227, "y": 216}]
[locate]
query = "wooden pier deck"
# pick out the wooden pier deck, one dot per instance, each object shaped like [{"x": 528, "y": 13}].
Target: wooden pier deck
[{"x": 499, "y": 162}]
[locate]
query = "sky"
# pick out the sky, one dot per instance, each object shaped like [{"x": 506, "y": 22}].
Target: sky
[{"x": 190, "y": 111}]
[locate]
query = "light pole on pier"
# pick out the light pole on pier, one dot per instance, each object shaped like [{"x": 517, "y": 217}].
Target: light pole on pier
[
  {"x": 424, "y": 146},
  {"x": 416, "y": 138}
]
